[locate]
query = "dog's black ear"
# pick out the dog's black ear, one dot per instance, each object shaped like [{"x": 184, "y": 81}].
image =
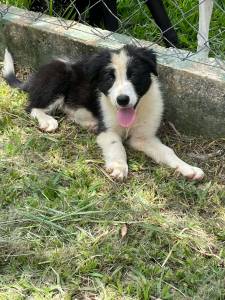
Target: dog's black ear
[
  {"x": 96, "y": 64},
  {"x": 149, "y": 57},
  {"x": 146, "y": 55}
]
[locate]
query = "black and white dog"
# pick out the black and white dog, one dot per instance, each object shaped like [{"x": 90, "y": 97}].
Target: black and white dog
[{"x": 115, "y": 92}]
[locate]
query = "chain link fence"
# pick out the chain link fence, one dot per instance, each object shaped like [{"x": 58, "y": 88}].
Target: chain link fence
[{"x": 197, "y": 26}]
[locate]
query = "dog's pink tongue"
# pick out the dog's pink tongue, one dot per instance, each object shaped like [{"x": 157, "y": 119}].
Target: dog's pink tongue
[{"x": 126, "y": 116}]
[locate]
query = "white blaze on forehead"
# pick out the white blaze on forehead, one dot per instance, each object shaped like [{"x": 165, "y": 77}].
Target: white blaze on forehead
[
  {"x": 121, "y": 86},
  {"x": 119, "y": 63}
]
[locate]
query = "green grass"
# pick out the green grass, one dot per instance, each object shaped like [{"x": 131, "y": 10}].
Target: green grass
[
  {"x": 184, "y": 17},
  {"x": 61, "y": 217},
  {"x": 137, "y": 21}
]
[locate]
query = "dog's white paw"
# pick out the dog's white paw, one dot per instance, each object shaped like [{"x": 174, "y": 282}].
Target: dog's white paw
[
  {"x": 90, "y": 125},
  {"x": 48, "y": 124},
  {"x": 117, "y": 170},
  {"x": 192, "y": 173},
  {"x": 83, "y": 117}
]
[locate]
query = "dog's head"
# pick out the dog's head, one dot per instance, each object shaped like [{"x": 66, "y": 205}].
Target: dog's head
[{"x": 124, "y": 77}]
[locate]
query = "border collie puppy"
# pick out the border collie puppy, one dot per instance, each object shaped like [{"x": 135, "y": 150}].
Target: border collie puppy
[{"x": 114, "y": 92}]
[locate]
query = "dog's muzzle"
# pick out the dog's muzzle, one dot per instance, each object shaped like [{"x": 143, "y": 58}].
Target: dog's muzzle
[{"x": 123, "y": 100}]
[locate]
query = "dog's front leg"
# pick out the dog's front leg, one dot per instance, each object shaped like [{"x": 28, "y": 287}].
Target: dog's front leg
[
  {"x": 165, "y": 155},
  {"x": 114, "y": 154}
]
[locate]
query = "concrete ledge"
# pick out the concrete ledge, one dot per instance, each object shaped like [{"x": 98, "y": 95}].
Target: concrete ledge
[{"x": 194, "y": 92}]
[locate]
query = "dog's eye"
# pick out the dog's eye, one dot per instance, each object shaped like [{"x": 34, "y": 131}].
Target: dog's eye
[
  {"x": 110, "y": 76},
  {"x": 130, "y": 75}
]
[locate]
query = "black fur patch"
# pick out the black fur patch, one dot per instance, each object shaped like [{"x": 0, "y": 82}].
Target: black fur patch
[
  {"x": 100, "y": 75},
  {"x": 140, "y": 67}
]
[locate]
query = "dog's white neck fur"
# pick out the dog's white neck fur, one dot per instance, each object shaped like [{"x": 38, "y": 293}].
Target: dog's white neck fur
[{"x": 149, "y": 110}]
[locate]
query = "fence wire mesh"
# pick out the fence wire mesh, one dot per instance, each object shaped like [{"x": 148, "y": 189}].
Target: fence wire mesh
[{"x": 197, "y": 26}]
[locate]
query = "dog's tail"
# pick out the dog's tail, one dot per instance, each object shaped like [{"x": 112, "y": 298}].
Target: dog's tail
[{"x": 9, "y": 73}]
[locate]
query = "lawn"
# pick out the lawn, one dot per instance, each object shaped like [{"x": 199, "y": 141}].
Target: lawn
[
  {"x": 184, "y": 16},
  {"x": 68, "y": 231}
]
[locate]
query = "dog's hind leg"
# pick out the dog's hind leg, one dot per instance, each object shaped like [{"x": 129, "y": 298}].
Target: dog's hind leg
[
  {"x": 46, "y": 123},
  {"x": 83, "y": 117},
  {"x": 165, "y": 155}
]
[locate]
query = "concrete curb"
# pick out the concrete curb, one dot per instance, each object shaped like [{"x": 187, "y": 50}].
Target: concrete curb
[{"x": 194, "y": 92}]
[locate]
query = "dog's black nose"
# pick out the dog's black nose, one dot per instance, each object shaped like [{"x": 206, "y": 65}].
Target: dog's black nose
[{"x": 123, "y": 100}]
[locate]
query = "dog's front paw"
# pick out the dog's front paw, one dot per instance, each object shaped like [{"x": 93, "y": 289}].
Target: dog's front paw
[
  {"x": 192, "y": 173},
  {"x": 117, "y": 170},
  {"x": 48, "y": 124}
]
